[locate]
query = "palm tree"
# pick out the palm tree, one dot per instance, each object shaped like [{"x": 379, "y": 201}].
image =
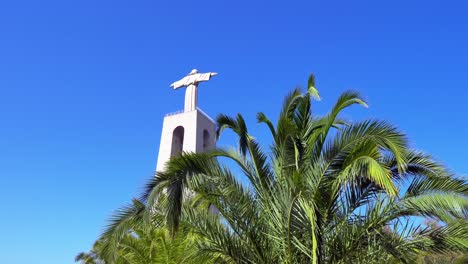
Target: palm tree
[
  {"x": 142, "y": 240},
  {"x": 326, "y": 191}
]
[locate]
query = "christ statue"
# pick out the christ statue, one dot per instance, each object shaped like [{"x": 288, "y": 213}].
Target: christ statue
[{"x": 191, "y": 82}]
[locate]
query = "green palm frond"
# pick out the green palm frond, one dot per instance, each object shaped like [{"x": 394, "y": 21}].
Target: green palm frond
[
  {"x": 311, "y": 90},
  {"x": 326, "y": 191}
]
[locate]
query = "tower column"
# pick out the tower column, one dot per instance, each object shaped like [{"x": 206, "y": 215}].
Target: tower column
[{"x": 191, "y": 130}]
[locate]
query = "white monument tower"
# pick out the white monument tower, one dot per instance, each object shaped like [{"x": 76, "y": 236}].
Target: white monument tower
[{"x": 190, "y": 130}]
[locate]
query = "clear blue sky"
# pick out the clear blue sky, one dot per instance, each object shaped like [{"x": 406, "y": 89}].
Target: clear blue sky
[{"x": 84, "y": 86}]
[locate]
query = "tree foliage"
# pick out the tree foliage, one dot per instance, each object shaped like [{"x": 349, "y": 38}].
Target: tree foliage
[{"x": 325, "y": 191}]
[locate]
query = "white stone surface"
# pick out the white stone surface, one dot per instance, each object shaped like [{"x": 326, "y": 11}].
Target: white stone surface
[
  {"x": 191, "y": 81},
  {"x": 199, "y": 134}
]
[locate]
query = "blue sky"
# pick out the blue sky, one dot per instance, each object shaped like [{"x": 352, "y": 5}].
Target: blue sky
[{"x": 84, "y": 86}]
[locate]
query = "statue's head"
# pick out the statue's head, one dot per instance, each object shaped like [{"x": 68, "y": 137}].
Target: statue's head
[{"x": 194, "y": 71}]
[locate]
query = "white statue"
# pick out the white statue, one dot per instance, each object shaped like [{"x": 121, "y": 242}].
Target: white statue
[{"x": 191, "y": 82}]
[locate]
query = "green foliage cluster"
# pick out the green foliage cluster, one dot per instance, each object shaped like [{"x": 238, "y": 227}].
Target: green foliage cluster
[{"x": 325, "y": 191}]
